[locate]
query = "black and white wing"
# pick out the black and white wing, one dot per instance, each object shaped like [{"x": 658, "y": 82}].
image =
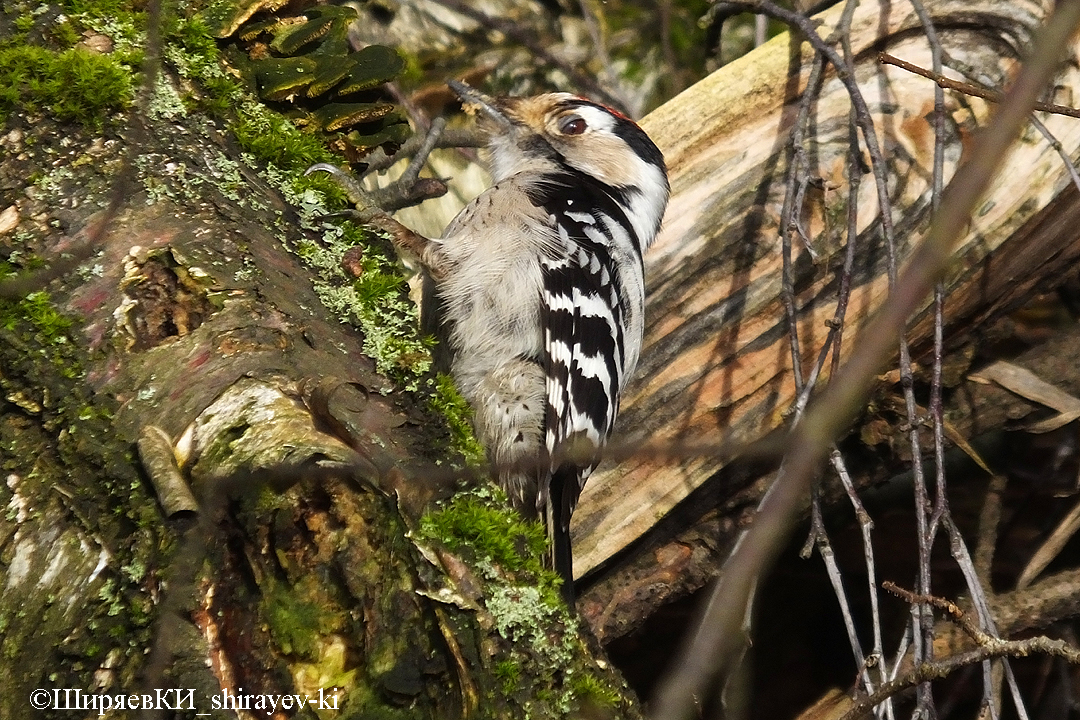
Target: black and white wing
[{"x": 586, "y": 305}]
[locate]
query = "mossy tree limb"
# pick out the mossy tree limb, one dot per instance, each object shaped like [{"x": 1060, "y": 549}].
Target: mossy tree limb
[{"x": 292, "y": 386}]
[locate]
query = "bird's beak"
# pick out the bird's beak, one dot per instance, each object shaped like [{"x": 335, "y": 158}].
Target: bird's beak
[{"x": 487, "y": 105}]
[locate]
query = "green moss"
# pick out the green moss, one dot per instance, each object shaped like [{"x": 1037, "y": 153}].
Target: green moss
[
  {"x": 508, "y": 671},
  {"x": 74, "y": 85},
  {"x": 38, "y": 310},
  {"x": 24, "y": 23},
  {"x": 376, "y": 282},
  {"x": 273, "y": 139},
  {"x": 64, "y": 34},
  {"x": 480, "y": 525},
  {"x": 299, "y": 616},
  {"x": 65, "y": 426},
  {"x": 119, "y": 23},
  {"x": 524, "y": 615},
  {"x": 37, "y": 320},
  {"x": 540, "y": 668},
  {"x": 447, "y": 402},
  {"x": 194, "y": 37},
  {"x": 588, "y": 689}
]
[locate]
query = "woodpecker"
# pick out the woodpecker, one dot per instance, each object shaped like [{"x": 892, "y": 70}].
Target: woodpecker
[{"x": 539, "y": 292}]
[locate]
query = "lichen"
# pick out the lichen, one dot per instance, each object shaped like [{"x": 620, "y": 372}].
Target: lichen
[
  {"x": 165, "y": 103},
  {"x": 373, "y": 295},
  {"x": 541, "y": 667}
]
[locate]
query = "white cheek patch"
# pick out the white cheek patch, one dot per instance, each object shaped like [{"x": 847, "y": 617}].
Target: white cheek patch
[{"x": 596, "y": 119}]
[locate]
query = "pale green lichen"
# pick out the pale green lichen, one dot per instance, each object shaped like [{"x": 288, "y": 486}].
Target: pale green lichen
[
  {"x": 375, "y": 300},
  {"x": 165, "y": 103},
  {"x": 228, "y": 178},
  {"x": 193, "y": 53},
  {"x": 543, "y": 667},
  {"x": 523, "y": 614},
  {"x": 52, "y": 182}
]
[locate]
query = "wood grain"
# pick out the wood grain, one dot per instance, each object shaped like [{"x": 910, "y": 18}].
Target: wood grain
[{"x": 717, "y": 361}]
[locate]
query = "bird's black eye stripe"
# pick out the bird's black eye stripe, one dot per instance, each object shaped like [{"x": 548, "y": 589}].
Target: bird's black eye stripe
[{"x": 572, "y": 125}]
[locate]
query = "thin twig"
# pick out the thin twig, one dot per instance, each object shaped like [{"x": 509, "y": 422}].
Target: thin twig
[
  {"x": 672, "y": 78},
  {"x": 928, "y": 531},
  {"x": 789, "y": 214},
  {"x": 406, "y": 191},
  {"x": 979, "y": 601},
  {"x": 416, "y": 115},
  {"x": 941, "y": 512},
  {"x": 989, "y": 518},
  {"x": 866, "y": 526},
  {"x": 989, "y": 647},
  {"x": 832, "y": 569},
  {"x": 451, "y": 138},
  {"x": 790, "y": 211},
  {"x": 944, "y": 667},
  {"x": 862, "y": 112},
  {"x": 1070, "y": 166},
  {"x": 969, "y": 89}
]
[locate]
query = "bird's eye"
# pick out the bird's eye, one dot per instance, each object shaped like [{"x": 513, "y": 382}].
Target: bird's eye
[{"x": 572, "y": 125}]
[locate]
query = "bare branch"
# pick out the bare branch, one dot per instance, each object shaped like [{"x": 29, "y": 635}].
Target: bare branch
[
  {"x": 969, "y": 89},
  {"x": 715, "y": 636}
]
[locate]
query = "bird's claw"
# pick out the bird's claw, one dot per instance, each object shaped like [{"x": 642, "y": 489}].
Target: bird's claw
[{"x": 347, "y": 182}]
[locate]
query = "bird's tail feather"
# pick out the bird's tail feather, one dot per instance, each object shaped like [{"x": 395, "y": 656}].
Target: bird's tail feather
[{"x": 557, "y": 512}]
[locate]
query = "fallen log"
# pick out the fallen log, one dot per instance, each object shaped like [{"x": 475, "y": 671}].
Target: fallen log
[{"x": 717, "y": 360}]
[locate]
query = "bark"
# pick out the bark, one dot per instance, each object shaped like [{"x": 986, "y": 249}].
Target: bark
[
  {"x": 205, "y": 351},
  {"x": 716, "y": 368}
]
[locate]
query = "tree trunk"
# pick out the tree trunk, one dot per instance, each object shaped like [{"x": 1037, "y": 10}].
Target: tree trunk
[{"x": 209, "y": 349}]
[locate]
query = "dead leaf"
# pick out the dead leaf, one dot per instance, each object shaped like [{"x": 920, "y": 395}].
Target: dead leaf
[{"x": 1030, "y": 386}]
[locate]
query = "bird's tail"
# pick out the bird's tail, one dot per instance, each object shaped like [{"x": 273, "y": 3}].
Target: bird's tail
[{"x": 559, "y": 506}]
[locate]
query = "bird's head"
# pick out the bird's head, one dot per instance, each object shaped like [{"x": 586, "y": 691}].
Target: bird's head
[{"x": 558, "y": 132}]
